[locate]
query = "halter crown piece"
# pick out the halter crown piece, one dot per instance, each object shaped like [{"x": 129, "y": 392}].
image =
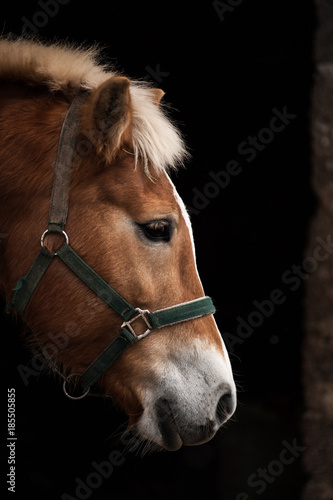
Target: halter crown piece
[{"x": 57, "y": 221}]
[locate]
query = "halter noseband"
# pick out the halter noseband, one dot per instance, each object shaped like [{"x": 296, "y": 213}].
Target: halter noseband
[{"x": 57, "y": 221}]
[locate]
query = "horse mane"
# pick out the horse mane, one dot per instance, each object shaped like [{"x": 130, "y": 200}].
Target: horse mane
[{"x": 66, "y": 68}]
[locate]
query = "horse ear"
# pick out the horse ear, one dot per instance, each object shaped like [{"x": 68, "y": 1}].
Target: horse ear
[
  {"x": 157, "y": 95},
  {"x": 108, "y": 116}
]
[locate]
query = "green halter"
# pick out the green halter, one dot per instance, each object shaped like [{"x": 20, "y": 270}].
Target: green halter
[{"x": 57, "y": 221}]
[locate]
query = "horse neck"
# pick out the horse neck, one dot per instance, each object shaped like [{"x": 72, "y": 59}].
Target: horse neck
[{"x": 30, "y": 122}]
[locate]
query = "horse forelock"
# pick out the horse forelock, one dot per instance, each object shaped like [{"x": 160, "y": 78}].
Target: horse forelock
[{"x": 68, "y": 68}]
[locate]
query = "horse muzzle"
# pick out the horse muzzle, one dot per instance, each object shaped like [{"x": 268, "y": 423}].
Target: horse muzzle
[{"x": 195, "y": 396}]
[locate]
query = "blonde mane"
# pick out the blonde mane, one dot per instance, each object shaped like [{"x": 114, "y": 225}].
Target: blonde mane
[{"x": 66, "y": 68}]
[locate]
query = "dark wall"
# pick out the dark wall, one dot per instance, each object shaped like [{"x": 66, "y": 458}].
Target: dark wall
[{"x": 238, "y": 75}]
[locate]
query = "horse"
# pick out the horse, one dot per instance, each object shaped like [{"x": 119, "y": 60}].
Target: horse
[{"x": 120, "y": 283}]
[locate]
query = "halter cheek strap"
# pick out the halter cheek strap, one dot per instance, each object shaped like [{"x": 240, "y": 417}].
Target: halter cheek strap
[{"x": 27, "y": 285}]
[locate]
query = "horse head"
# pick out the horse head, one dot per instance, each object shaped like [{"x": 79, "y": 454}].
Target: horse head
[{"x": 127, "y": 222}]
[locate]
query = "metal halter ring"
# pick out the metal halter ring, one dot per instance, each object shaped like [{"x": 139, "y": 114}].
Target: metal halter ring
[
  {"x": 66, "y": 391},
  {"x": 48, "y": 231}
]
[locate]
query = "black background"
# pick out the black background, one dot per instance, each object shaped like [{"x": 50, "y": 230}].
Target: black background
[{"x": 223, "y": 74}]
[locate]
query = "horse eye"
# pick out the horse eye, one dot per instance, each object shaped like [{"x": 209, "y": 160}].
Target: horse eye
[{"x": 159, "y": 230}]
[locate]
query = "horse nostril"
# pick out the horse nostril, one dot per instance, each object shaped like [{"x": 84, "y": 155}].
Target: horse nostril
[
  {"x": 225, "y": 407},
  {"x": 163, "y": 410}
]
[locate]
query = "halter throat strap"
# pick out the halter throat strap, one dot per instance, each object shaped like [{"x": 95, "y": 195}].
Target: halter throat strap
[{"x": 27, "y": 285}]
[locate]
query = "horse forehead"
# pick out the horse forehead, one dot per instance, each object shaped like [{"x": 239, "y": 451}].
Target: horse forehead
[
  {"x": 183, "y": 211},
  {"x": 139, "y": 195}
]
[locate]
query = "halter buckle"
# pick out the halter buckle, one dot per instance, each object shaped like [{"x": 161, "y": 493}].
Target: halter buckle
[{"x": 141, "y": 314}]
